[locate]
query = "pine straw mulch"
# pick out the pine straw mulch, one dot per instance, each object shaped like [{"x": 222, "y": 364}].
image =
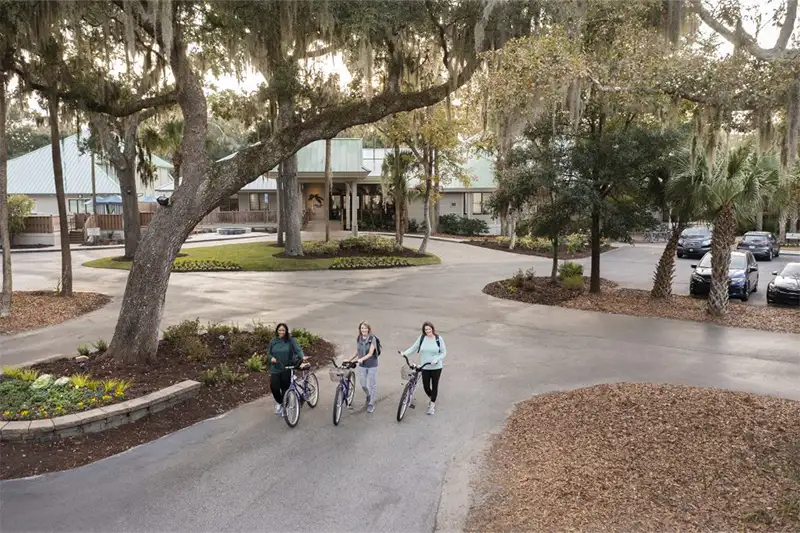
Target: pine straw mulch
[
  {"x": 644, "y": 457},
  {"x": 637, "y": 302},
  {"x": 40, "y": 309},
  {"x": 171, "y": 365}
]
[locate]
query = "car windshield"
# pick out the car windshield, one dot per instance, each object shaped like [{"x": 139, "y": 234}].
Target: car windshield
[
  {"x": 738, "y": 262},
  {"x": 696, "y": 232},
  {"x": 754, "y": 238},
  {"x": 792, "y": 270}
]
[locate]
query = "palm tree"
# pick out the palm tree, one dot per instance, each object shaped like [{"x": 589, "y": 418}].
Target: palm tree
[
  {"x": 394, "y": 183},
  {"x": 731, "y": 191}
]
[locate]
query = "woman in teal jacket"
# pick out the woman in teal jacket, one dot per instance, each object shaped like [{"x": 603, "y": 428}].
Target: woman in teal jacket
[
  {"x": 283, "y": 351},
  {"x": 431, "y": 349}
]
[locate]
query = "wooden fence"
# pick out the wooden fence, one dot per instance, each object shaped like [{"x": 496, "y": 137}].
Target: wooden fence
[
  {"x": 41, "y": 224},
  {"x": 239, "y": 217}
]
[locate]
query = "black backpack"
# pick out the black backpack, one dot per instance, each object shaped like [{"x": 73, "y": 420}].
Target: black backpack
[
  {"x": 378, "y": 346},
  {"x": 422, "y": 337}
]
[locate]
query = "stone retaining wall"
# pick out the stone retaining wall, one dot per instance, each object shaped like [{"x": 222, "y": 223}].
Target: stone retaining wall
[{"x": 98, "y": 419}]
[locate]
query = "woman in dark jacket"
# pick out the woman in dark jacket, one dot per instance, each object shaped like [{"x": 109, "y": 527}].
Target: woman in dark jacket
[{"x": 283, "y": 351}]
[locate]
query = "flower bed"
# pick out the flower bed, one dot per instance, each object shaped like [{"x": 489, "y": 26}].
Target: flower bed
[
  {"x": 575, "y": 246},
  {"x": 204, "y": 266},
  {"x": 357, "y": 263},
  {"x": 228, "y": 361},
  {"x": 363, "y": 246},
  {"x": 27, "y": 395}
]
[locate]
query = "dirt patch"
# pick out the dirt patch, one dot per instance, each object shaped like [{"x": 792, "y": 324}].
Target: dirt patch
[
  {"x": 40, "y": 309},
  {"x": 170, "y": 366},
  {"x": 562, "y": 254},
  {"x": 644, "y": 457},
  {"x": 637, "y": 302},
  {"x": 541, "y": 290}
]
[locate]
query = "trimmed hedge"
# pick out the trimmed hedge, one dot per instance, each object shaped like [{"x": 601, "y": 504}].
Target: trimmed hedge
[
  {"x": 356, "y": 263},
  {"x": 205, "y": 266},
  {"x": 456, "y": 225}
]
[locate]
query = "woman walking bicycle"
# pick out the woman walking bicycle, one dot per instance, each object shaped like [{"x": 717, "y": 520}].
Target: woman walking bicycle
[
  {"x": 366, "y": 356},
  {"x": 431, "y": 350},
  {"x": 283, "y": 352}
]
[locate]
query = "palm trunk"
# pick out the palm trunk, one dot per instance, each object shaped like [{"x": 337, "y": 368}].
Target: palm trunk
[
  {"x": 783, "y": 220},
  {"x": 554, "y": 270},
  {"x": 281, "y": 209},
  {"x": 426, "y": 206},
  {"x": 511, "y": 220},
  {"x": 437, "y": 183},
  {"x": 721, "y": 244},
  {"x": 58, "y": 172},
  {"x": 328, "y": 186},
  {"x": 665, "y": 271},
  {"x": 5, "y": 236},
  {"x": 760, "y": 220},
  {"x": 594, "y": 280},
  {"x": 399, "y": 199}
]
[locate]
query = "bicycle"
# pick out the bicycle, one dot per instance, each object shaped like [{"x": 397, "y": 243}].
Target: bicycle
[
  {"x": 300, "y": 391},
  {"x": 409, "y": 373},
  {"x": 345, "y": 390}
]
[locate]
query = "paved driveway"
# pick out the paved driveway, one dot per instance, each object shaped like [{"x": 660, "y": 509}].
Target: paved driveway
[{"x": 247, "y": 471}]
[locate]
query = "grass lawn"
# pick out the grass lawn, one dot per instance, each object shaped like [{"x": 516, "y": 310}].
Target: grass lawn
[{"x": 254, "y": 257}]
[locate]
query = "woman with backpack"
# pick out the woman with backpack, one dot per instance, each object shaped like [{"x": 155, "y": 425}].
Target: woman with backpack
[
  {"x": 366, "y": 355},
  {"x": 431, "y": 349},
  {"x": 283, "y": 351}
]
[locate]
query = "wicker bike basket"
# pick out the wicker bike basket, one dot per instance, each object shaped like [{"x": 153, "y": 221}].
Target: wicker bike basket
[{"x": 407, "y": 373}]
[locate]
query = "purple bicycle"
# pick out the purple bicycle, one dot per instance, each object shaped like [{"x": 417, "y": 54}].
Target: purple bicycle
[{"x": 409, "y": 373}]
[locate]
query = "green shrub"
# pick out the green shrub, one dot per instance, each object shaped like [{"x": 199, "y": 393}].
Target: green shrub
[
  {"x": 577, "y": 242},
  {"x": 569, "y": 269},
  {"x": 28, "y": 374},
  {"x": 413, "y": 226},
  {"x": 369, "y": 244},
  {"x": 12, "y": 372},
  {"x": 20, "y": 207},
  {"x": 263, "y": 334},
  {"x": 84, "y": 381},
  {"x": 241, "y": 346},
  {"x": 195, "y": 349},
  {"x": 458, "y": 225},
  {"x": 117, "y": 387},
  {"x": 317, "y": 248},
  {"x": 357, "y": 263},
  {"x": 83, "y": 350},
  {"x": 503, "y": 241},
  {"x": 255, "y": 363},
  {"x": 209, "y": 377},
  {"x": 573, "y": 283},
  {"x": 217, "y": 330},
  {"x": 226, "y": 374},
  {"x": 182, "y": 331},
  {"x": 536, "y": 244},
  {"x": 101, "y": 346},
  {"x": 204, "y": 266}
]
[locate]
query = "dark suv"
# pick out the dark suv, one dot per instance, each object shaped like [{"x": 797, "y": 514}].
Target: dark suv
[
  {"x": 694, "y": 242},
  {"x": 742, "y": 276},
  {"x": 761, "y": 244}
]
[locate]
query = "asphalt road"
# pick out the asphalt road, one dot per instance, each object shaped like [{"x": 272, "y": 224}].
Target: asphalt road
[{"x": 247, "y": 471}]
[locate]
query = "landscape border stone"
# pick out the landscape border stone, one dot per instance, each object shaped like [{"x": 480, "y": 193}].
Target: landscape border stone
[{"x": 100, "y": 418}]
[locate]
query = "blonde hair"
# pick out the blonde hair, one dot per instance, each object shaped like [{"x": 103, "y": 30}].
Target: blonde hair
[{"x": 365, "y": 323}]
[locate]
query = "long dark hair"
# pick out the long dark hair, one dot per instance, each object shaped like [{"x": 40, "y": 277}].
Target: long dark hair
[
  {"x": 287, "y": 337},
  {"x": 433, "y": 329}
]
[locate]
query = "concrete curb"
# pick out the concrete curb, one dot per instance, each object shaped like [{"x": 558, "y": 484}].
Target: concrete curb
[
  {"x": 98, "y": 419},
  {"x": 122, "y": 246}
]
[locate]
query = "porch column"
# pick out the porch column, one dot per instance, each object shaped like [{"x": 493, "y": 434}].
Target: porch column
[
  {"x": 346, "y": 207},
  {"x": 354, "y": 208}
]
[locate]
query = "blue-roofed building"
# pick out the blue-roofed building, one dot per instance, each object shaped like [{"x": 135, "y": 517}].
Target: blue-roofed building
[{"x": 31, "y": 174}]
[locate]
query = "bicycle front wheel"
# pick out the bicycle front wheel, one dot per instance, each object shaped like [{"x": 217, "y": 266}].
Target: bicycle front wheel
[
  {"x": 351, "y": 388},
  {"x": 405, "y": 401},
  {"x": 291, "y": 408},
  {"x": 312, "y": 390},
  {"x": 338, "y": 400}
]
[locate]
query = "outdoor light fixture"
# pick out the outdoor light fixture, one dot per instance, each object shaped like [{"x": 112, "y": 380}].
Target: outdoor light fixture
[{"x": 163, "y": 201}]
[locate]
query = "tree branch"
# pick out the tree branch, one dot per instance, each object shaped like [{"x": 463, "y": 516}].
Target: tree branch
[
  {"x": 319, "y": 52},
  {"x": 741, "y": 37}
]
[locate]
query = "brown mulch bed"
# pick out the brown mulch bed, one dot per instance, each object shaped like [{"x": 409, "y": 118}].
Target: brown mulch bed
[
  {"x": 539, "y": 290},
  {"x": 644, "y": 457},
  {"x": 40, "y": 309},
  {"x": 637, "y": 302},
  {"x": 170, "y": 366},
  {"x": 562, "y": 254}
]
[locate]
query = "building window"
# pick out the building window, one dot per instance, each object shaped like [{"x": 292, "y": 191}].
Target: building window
[
  {"x": 79, "y": 206},
  {"x": 258, "y": 201},
  {"x": 230, "y": 204},
  {"x": 478, "y": 200}
]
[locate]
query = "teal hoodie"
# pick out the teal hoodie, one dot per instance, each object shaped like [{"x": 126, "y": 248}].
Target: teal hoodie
[
  {"x": 287, "y": 354},
  {"x": 429, "y": 351}
]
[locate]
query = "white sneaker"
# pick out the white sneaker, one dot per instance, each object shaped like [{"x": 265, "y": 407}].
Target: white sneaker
[
  {"x": 431, "y": 408},
  {"x": 278, "y": 409}
]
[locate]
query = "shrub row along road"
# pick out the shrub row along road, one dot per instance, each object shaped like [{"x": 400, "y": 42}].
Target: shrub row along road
[{"x": 248, "y": 471}]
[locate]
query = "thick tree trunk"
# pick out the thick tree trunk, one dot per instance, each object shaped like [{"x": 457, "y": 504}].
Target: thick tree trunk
[
  {"x": 665, "y": 271},
  {"x": 594, "y": 279},
  {"x": 554, "y": 270},
  {"x": 328, "y": 185},
  {"x": 5, "y": 235},
  {"x": 399, "y": 200},
  {"x": 130, "y": 209},
  {"x": 437, "y": 183},
  {"x": 721, "y": 244},
  {"x": 58, "y": 172},
  {"x": 793, "y": 223},
  {"x": 792, "y": 132},
  {"x": 426, "y": 207},
  {"x": 783, "y": 220},
  {"x": 294, "y": 214},
  {"x": 511, "y": 217}
]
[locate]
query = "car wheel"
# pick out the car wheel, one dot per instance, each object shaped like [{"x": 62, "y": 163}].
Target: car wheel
[
  {"x": 769, "y": 255},
  {"x": 746, "y": 293},
  {"x": 680, "y": 255}
]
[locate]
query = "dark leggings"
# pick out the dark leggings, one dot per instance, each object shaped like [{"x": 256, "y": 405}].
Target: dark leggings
[
  {"x": 279, "y": 384},
  {"x": 430, "y": 381}
]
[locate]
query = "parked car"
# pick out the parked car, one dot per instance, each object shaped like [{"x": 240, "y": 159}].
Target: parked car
[
  {"x": 785, "y": 288},
  {"x": 761, "y": 244},
  {"x": 742, "y": 276},
  {"x": 694, "y": 242}
]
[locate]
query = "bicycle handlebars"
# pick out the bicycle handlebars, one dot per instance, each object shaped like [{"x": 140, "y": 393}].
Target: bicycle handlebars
[
  {"x": 345, "y": 364},
  {"x": 411, "y": 365}
]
